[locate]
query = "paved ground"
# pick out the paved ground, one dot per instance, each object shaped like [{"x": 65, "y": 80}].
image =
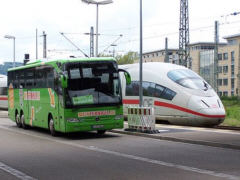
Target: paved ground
[
  {"x": 194, "y": 135},
  {"x": 34, "y": 154}
]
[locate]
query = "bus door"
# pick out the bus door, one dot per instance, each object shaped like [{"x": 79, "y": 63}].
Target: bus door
[
  {"x": 29, "y": 113},
  {"x": 53, "y": 97}
]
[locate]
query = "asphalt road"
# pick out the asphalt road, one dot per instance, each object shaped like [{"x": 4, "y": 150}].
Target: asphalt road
[{"x": 34, "y": 154}]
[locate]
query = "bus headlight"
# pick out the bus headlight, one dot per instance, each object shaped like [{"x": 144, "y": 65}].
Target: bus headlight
[
  {"x": 72, "y": 120},
  {"x": 118, "y": 117}
]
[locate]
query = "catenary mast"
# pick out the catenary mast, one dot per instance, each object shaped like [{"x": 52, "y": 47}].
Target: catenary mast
[{"x": 184, "y": 34}]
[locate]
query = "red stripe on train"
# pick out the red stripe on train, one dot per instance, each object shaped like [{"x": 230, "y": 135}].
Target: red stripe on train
[
  {"x": 172, "y": 106},
  {"x": 3, "y": 98}
]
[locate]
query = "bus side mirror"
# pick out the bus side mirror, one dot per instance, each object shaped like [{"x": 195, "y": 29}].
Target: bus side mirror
[
  {"x": 63, "y": 81},
  {"x": 127, "y": 76}
]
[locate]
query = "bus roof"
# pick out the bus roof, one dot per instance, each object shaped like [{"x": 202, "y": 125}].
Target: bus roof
[{"x": 54, "y": 61}]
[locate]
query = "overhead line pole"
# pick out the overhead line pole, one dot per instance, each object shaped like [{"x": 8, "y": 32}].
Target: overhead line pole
[
  {"x": 36, "y": 43},
  {"x": 216, "y": 40},
  {"x": 140, "y": 62}
]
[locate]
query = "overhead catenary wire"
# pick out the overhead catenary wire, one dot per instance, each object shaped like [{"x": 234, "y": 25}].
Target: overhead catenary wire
[{"x": 73, "y": 44}]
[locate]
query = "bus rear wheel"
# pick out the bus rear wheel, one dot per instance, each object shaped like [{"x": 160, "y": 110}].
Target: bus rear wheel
[
  {"x": 51, "y": 127},
  {"x": 17, "y": 119},
  {"x": 24, "y": 126}
]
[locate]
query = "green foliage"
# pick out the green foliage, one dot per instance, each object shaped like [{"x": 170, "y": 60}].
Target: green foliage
[
  {"x": 232, "y": 107},
  {"x": 128, "y": 58}
]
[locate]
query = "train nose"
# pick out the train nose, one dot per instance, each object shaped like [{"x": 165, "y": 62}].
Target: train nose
[{"x": 209, "y": 109}]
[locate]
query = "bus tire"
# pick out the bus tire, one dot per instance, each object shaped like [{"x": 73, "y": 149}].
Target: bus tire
[
  {"x": 101, "y": 132},
  {"x": 18, "y": 122},
  {"x": 51, "y": 127},
  {"x": 24, "y": 126}
]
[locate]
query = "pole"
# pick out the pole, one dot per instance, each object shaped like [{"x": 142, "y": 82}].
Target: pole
[
  {"x": 44, "y": 45},
  {"x": 166, "y": 59},
  {"x": 91, "y": 42},
  {"x": 14, "y": 52},
  {"x": 140, "y": 62},
  {"x": 216, "y": 40},
  {"x": 97, "y": 33},
  {"x": 36, "y": 43}
]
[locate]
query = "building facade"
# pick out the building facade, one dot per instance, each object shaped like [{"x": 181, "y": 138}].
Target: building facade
[{"x": 202, "y": 57}]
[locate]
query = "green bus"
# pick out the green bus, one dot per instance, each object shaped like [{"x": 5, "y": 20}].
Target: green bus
[{"x": 67, "y": 95}]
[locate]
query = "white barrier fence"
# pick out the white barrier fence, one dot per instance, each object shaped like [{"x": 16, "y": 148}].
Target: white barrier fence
[{"x": 141, "y": 118}]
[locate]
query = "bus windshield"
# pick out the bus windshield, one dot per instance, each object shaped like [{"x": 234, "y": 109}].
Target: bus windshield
[
  {"x": 92, "y": 83},
  {"x": 188, "y": 79}
]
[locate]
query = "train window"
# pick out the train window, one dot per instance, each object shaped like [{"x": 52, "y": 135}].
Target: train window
[
  {"x": 188, "y": 79},
  {"x": 132, "y": 89},
  {"x": 148, "y": 88},
  {"x": 158, "y": 91},
  {"x": 168, "y": 94}
]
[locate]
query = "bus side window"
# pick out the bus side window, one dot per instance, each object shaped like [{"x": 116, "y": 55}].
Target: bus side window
[
  {"x": 50, "y": 77},
  {"x": 10, "y": 77},
  {"x": 40, "y": 78},
  {"x": 21, "y": 79},
  {"x": 15, "y": 83},
  {"x": 29, "y": 77}
]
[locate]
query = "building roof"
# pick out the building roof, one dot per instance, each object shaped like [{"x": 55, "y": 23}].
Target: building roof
[
  {"x": 232, "y": 36},
  {"x": 160, "y": 50},
  {"x": 205, "y": 43}
]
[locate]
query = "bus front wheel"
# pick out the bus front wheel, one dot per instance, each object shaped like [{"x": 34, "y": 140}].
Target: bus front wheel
[{"x": 51, "y": 127}]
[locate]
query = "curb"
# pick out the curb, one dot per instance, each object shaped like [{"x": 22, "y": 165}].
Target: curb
[{"x": 205, "y": 143}]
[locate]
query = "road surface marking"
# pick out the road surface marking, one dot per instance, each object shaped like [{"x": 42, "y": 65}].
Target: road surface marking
[
  {"x": 132, "y": 157},
  {"x": 14, "y": 172}
]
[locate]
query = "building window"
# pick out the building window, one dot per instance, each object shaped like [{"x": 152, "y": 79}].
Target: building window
[
  {"x": 219, "y": 82},
  {"x": 225, "y": 69},
  {"x": 232, "y": 57},
  {"x": 232, "y": 42},
  {"x": 225, "y": 82},
  {"x": 219, "y": 57},
  {"x": 232, "y": 70},
  {"x": 232, "y": 83},
  {"x": 225, "y": 93},
  {"x": 232, "y": 93},
  {"x": 220, "y": 69},
  {"x": 220, "y": 93},
  {"x": 225, "y": 56}
]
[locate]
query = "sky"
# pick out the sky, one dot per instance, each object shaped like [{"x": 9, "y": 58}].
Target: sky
[{"x": 21, "y": 18}]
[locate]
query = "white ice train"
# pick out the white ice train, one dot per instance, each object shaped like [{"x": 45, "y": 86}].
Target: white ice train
[
  {"x": 3, "y": 92},
  {"x": 178, "y": 95}
]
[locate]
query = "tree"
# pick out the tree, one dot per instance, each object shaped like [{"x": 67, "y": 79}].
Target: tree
[{"x": 128, "y": 58}]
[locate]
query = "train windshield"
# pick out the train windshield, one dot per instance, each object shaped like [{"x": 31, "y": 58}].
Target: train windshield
[{"x": 188, "y": 79}]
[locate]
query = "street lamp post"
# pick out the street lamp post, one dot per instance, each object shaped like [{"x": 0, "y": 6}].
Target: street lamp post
[
  {"x": 12, "y": 37},
  {"x": 97, "y": 4}
]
